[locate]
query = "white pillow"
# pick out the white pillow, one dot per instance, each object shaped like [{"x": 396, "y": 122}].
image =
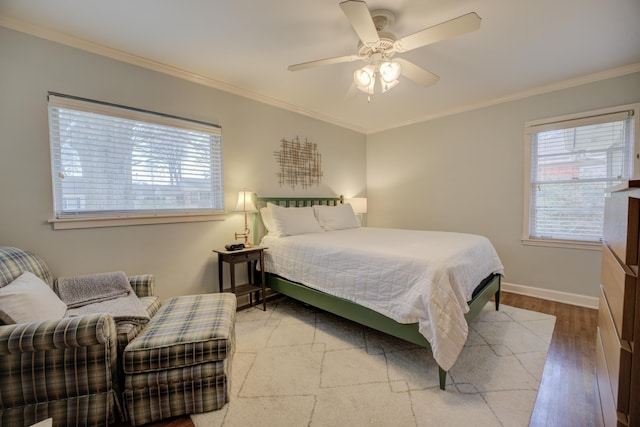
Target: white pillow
[
  {"x": 29, "y": 299},
  {"x": 291, "y": 221},
  {"x": 267, "y": 220},
  {"x": 336, "y": 217}
]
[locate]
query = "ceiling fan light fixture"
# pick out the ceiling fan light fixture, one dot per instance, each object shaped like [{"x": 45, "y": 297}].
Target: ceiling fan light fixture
[
  {"x": 377, "y": 46},
  {"x": 390, "y": 71},
  {"x": 388, "y": 85},
  {"x": 365, "y": 78}
]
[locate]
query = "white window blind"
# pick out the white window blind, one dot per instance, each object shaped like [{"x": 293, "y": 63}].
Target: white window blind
[
  {"x": 572, "y": 162},
  {"x": 111, "y": 160}
]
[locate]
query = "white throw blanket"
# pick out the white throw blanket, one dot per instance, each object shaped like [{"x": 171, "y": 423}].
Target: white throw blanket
[
  {"x": 408, "y": 275},
  {"x": 102, "y": 293}
]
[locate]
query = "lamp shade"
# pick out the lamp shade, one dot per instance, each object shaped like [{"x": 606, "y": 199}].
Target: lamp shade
[
  {"x": 390, "y": 71},
  {"x": 359, "y": 205},
  {"x": 365, "y": 78},
  {"x": 245, "y": 202},
  {"x": 386, "y": 86}
]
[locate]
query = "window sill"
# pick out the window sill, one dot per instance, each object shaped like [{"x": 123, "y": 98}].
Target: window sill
[
  {"x": 120, "y": 221},
  {"x": 568, "y": 244}
]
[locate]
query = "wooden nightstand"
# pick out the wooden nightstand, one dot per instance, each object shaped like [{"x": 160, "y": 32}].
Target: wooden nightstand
[{"x": 249, "y": 256}]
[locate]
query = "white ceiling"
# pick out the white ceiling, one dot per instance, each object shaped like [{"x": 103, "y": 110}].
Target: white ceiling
[{"x": 523, "y": 47}]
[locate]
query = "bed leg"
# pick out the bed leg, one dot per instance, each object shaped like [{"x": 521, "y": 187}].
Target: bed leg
[
  {"x": 497, "y": 297},
  {"x": 443, "y": 377}
]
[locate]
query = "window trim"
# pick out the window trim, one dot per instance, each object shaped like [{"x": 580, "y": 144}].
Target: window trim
[
  {"x": 571, "y": 120},
  {"x": 124, "y": 220},
  {"x": 132, "y": 218}
]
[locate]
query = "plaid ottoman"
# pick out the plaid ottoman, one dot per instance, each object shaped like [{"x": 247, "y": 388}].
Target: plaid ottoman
[{"x": 180, "y": 363}]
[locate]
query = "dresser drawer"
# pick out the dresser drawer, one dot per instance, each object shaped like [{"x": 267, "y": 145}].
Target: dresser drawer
[
  {"x": 621, "y": 226},
  {"x": 619, "y": 284},
  {"x": 612, "y": 417},
  {"x": 617, "y": 356}
]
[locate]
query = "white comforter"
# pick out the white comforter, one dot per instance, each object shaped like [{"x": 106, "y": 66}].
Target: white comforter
[{"x": 410, "y": 276}]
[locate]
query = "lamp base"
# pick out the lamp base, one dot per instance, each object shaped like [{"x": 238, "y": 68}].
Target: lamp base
[
  {"x": 246, "y": 238},
  {"x": 246, "y": 233}
]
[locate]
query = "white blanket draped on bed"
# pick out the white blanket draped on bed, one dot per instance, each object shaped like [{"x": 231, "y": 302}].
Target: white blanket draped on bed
[{"x": 410, "y": 276}]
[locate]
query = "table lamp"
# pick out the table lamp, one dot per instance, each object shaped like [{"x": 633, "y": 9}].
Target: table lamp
[
  {"x": 246, "y": 205},
  {"x": 359, "y": 205}
]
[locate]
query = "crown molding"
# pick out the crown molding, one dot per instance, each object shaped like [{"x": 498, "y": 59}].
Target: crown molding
[
  {"x": 98, "y": 49},
  {"x": 538, "y": 90}
]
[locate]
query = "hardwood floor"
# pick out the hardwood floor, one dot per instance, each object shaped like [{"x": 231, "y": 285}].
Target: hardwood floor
[{"x": 567, "y": 394}]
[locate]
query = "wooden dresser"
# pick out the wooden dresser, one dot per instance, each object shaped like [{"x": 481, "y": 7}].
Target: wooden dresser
[{"x": 618, "y": 341}]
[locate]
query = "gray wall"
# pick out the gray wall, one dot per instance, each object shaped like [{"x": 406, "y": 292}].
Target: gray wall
[
  {"x": 459, "y": 173},
  {"x": 178, "y": 254},
  {"x": 465, "y": 173}
]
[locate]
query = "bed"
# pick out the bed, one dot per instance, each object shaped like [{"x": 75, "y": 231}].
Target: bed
[{"x": 388, "y": 288}]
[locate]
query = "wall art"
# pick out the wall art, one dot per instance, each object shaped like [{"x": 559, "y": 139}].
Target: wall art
[{"x": 300, "y": 163}]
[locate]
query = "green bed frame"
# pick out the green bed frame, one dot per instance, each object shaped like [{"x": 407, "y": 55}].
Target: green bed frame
[{"x": 352, "y": 311}]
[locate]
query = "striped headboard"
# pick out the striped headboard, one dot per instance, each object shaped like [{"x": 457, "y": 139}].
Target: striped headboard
[{"x": 288, "y": 202}]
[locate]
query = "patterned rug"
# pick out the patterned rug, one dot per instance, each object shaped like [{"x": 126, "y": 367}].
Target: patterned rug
[{"x": 298, "y": 366}]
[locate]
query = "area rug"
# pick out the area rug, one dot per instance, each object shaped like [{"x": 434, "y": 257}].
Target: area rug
[{"x": 297, "y": 366}]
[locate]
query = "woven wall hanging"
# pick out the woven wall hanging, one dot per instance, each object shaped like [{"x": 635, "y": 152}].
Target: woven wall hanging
[{"x": 300, "y": 163}]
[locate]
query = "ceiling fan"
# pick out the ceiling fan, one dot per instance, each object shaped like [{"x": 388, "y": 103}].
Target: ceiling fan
[{"x": 377, "y": 47}]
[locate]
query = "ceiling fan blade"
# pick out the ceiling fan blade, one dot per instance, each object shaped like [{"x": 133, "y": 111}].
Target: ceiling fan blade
[
  {"x": 358, "y": 14},
  {"x": 446, "y": 30},
  {"x": 417, "y": 74},
  {"x": 320, "y": 62}
]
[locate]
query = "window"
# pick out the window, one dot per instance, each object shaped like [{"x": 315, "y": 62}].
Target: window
[
  {"x": 569, "y": 162},
  {"x": 113, "y": 162}
]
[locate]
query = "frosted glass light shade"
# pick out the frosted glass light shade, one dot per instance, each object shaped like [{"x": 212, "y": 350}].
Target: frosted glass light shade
[
  {"x": 245, "y": 202},
  {"x": 386, "y": 86},
  {"x": 365, "y": 78},
  {"x": 390, "y": 71}
]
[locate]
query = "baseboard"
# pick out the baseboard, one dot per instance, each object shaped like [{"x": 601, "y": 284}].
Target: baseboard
[{"x": 557, "y": 296}]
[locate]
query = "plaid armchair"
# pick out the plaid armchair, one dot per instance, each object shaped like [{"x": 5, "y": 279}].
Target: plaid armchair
[{"x": 67, "y": 369}]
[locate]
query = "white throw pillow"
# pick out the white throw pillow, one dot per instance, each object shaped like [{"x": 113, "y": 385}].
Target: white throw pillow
[
  {"x": 336, "y": 217},
  {"x": 292, "y": 221},
  {"x": 29, "y": 299},
  {"x": 267, "y": 220}
]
